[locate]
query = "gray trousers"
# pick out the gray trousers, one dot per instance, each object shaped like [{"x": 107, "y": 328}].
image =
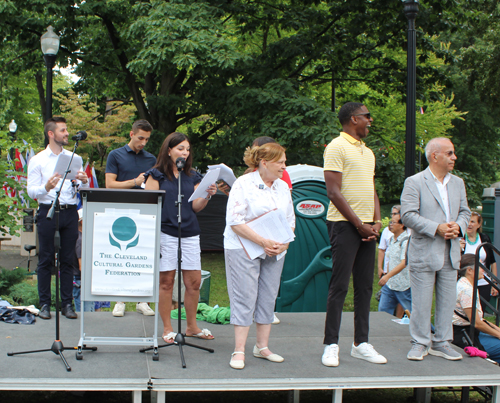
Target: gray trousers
[
  {"x": 422, "y": 287},
  {"x": 252, "y": 286}
]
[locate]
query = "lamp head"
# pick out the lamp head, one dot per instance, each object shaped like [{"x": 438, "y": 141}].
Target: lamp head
[
  {"x": 12, "y": 126},
  {"x": 50, "y": 42},
  {"x": 410, "y": 8}
]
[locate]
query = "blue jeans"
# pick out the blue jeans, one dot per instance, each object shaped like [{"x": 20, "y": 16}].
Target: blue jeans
[
  {"x": 88, "y": 306},
  {"x": 389, "y": 300},
  {"x": 491, "y": 344}
]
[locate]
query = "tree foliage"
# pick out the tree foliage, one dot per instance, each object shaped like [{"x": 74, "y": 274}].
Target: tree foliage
[{"x": 226, "y": 72}]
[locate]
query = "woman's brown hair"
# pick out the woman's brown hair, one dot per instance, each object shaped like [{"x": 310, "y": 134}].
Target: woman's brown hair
[{"x": 164, "y": 163}]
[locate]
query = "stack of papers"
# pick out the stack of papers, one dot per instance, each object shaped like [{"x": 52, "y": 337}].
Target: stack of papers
[
  {"x": 272, "y": 225},
  {"x": 214, "y": 173}
]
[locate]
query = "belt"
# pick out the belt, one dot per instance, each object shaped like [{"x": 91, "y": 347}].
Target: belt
[{"x": 61, "y": 206}]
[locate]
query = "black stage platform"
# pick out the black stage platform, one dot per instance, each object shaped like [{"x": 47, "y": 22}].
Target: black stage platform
[{"x": 298, "y": 338}]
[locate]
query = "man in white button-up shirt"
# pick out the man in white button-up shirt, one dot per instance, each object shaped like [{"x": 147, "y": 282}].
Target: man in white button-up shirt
[
  {"x": 42, "y": 186},
  {"x": 434, "y": 206}
]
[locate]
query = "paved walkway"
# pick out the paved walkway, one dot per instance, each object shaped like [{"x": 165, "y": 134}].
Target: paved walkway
[{"x": 10, "y": 258}]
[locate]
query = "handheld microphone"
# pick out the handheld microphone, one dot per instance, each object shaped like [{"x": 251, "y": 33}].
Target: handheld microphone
[
  {"x": 180, "y": 162},
  {"x": 81, "y": 135}
]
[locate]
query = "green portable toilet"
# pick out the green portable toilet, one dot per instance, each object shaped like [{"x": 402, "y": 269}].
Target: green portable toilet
[
  {"x": 488, "y": 213},
  {"x": 308, "y": 263}
]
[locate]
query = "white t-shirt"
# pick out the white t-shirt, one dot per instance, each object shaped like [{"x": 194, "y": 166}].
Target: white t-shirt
[
  {"x": 471, "y": 248},
  {"x": 384, "y": 244}
]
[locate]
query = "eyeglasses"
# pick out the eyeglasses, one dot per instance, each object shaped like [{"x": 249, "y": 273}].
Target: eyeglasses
[
  {"x": 368, "y": 115},
  {"x": 395, "y": 213},
  {"x": 447, "y": 153}
]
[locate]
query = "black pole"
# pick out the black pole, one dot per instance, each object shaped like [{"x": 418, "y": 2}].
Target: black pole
[
  {"x": 411, "y": 11},
  {"x": 11, "y": 151},
  {"x": 50, "y": 61}
]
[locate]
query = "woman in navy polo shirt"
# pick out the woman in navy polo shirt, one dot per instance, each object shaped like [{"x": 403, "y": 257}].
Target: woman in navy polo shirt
[{"x": 164, "y": 176}]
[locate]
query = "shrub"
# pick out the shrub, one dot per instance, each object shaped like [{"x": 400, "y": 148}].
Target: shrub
[{"x": 8, "y": 278}]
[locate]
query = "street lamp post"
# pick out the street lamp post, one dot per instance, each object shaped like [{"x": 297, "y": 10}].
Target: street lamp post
[
  {"x": 50, "y": 47},
  {"x": 12, "y": 132},
  {"x": 411, "y": 11}
]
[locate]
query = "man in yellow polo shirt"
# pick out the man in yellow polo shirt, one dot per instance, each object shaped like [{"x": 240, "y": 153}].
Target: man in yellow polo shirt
[{"x": 353, "y": 226}]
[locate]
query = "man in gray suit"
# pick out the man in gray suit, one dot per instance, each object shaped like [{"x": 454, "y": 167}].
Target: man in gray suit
[{"x": 434, "y": 206}]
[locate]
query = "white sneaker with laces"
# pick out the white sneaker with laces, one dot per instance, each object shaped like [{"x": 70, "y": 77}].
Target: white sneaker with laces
[
  {"x": 366, "y": 352},
  {"x": 119, "y": 309},
  {"x": 143, "y": 307},
  {"x": 330, "y": 356},
  {"x": 275, "y": 320}
]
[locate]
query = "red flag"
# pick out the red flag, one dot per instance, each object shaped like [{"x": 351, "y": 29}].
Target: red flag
[
  {"x": 18, "y": 164},
  {"x": 88, "y": 171}
]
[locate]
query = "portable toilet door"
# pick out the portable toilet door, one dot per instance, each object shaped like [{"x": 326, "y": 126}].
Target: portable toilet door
[{"x": 308, "y": 262}]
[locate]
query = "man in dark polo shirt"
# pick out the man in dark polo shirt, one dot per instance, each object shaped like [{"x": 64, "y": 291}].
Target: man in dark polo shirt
[{"x": 125, "y": 168}]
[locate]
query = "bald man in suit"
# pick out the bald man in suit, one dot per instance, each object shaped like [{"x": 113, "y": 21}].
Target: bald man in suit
[{"x": 434, "y": 206}]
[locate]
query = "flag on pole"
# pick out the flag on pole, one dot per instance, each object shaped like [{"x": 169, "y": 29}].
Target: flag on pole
[
  {"x": 20, "y": 163},
  {"x": 94, "y": 178}
]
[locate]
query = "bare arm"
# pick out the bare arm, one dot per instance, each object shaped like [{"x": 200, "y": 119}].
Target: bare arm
[
  {"x": 393, "y": 272},
  {"x": 483, "y": 327},
  {"x": 152, "y": 184},
  {"x": 200, "y": 203},
  {"x": 112, "y": 183},
  {"x": 380, "y": 261}
]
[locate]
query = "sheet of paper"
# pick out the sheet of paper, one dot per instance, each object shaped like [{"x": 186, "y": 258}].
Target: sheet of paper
[
  {"x": 226, "y": 173},
  {"x": 209, "y": 178},
  {"x": 62, "y": 164},
  {"x": 272, "y": 225}
]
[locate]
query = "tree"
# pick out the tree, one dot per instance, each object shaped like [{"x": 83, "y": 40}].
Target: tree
[
  {"x": 103, "y": 132},
  {"x": 227, "y": 71}
]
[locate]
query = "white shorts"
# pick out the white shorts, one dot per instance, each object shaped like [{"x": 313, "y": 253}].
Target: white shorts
[{"x": 190, "y": 247}]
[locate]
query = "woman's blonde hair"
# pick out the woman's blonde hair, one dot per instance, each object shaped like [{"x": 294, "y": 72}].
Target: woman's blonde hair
[{"x": 267, "y": 152}]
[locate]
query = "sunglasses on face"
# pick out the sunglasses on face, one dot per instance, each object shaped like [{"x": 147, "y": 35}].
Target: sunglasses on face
[{"x": 368, "y": 115}]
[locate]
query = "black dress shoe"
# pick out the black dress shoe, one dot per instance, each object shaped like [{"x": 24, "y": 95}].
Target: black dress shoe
[
  {"x": 68, "y": 312},
  {"x": 45, "y": 312}
]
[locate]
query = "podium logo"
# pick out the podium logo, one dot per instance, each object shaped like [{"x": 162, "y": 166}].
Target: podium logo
[{"x": 124, "y": 234}]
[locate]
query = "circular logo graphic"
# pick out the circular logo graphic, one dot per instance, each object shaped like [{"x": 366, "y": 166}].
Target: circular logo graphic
[
  {"x": 124, "y": 233},
  {"x": 124, "y": 229}
]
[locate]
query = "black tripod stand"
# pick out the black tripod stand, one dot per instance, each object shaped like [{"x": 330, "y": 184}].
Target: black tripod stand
[
  {"x": 57, "y": 345},
  {"x": 180, "y": 338}
]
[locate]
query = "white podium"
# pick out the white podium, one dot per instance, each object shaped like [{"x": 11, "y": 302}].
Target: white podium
[{"x": 120, "y": 255}]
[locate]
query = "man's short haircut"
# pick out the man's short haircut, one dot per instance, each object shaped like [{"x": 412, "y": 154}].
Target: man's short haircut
[
  {"x": 347, "y": 110},
  {"x": 433, "y": 146},
  {"x": 51, "y": 124},
  {"x": 143, "y": 125}
]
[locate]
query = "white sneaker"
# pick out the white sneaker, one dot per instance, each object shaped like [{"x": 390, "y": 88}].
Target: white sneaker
[
  {"x": 366, "y": 352},
  {"x": 119, "y": 309},
  {"x": 275, "y": 320},
  {"x": 330, "y": 356},
  {"x": 143, "y": 307}
]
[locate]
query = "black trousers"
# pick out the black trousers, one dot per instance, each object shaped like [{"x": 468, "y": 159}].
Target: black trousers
[
  {"x": 349, "y": 255},
  {"x": 68, "y": 228}
]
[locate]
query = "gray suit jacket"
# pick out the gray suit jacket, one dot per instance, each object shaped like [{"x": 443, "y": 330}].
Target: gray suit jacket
[{"x": 422, "y": 210}]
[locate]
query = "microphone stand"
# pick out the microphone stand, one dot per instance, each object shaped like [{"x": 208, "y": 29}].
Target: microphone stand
[
  {"x": 180, "y": 338},
  {"x": 57, "y": 346}
]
